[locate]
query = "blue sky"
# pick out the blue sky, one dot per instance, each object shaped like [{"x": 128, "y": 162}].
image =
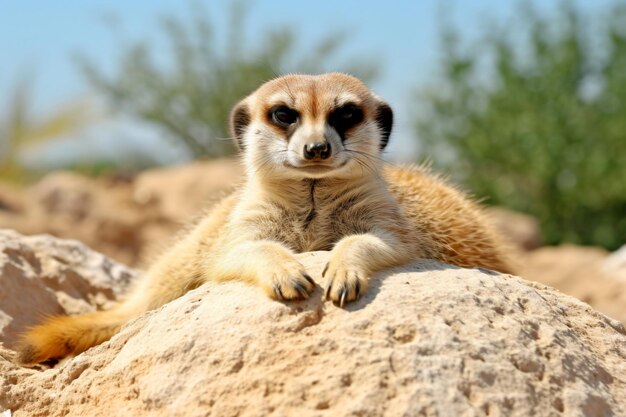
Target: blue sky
[{"x": 41, "y": 37}]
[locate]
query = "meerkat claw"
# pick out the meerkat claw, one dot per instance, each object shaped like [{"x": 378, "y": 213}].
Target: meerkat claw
[
  {"x": 278, "y": 292},
  {"x": 301, "y": 290},
  {"x": 357, "y": 290},
  {"x": 308, "y": 278},
  {"x": 342, "y": 296},
  {"x": 327, "y": 293}
]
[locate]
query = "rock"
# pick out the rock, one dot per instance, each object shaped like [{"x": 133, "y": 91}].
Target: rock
[
  {"x": 130, "y": 220},
  {"x": 581, "y": 272},
  {"x": 426, "y": 340},
  {"x": 180, "y": 192},
  {"x": 66, "y": 193},
  {"x": 10, "y": 199},
  {"x": 615, "y": 264},
  {"x": 520, "y": 229},
  {"x": 41, "y": 275},
  {"x": 99, "y": 212}
]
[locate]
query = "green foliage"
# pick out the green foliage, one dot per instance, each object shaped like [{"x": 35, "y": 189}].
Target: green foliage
[
  {"x": 192, "y": 93},
  {"x": 538, "y": 122}
]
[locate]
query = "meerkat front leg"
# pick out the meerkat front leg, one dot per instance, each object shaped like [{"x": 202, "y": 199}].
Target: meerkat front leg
[
  {"x": 267, "y": 264},
  {"x": 355, "y": 258}
]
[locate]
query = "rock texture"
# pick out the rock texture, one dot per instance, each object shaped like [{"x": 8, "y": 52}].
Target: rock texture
[
  {"x": 426, "y": 340},
  {"x": 41, "y": 275}
]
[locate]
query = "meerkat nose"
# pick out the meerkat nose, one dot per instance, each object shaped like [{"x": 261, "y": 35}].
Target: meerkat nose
[{"x": 320, "y": 150}]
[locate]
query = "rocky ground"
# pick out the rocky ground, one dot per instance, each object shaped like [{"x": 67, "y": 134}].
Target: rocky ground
[
  {"x": 133, "y": 219},
  {"x": 127, "y": 219},
  {"x": 426, "y": 340}
]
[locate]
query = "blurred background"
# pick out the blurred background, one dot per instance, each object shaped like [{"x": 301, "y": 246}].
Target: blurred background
[{"x": 113, "y": 114}]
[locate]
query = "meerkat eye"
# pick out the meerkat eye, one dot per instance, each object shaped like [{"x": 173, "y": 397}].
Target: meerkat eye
[
  {"x": 284, "y": 116},
  {"x": 345, "y": 117},
  {"x": 347, "y": 112}
]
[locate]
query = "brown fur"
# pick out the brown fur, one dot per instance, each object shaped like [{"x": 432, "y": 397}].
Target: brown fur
[{"x": 370, "y": 217}]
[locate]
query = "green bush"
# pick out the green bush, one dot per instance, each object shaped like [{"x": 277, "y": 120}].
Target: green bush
[{"x": 535, "y": 119}]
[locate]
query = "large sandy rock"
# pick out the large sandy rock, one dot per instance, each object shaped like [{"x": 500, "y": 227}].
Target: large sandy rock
[
  {"x": 41, "y": 275},
  {"x": 426, "y": 340}
]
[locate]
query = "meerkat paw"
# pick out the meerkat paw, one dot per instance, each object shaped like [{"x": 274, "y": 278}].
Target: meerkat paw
[
  {"x": 287, "y": 281},
  {"x": 344, "y": 282}
]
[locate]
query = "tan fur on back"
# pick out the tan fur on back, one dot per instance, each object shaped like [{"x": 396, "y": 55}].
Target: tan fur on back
[
  {"x": 456, "y": 225},
  {"x": 369, "y": 216}
]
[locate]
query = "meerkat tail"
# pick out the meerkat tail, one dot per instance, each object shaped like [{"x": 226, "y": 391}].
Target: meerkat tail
[{"x": 60, "y": 336}]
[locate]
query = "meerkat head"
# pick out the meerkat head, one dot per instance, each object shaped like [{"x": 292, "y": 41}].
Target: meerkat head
[{"x": 308, "y": 126}]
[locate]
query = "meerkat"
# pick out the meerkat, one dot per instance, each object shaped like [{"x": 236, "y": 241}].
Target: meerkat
[{"x": 315, "y": 180}]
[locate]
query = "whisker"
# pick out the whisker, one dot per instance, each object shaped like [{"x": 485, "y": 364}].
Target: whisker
[
  {"x": 364, "y": 164},
  {"x": 369, "y": 155},
  {"x": 264, "y": 163}
]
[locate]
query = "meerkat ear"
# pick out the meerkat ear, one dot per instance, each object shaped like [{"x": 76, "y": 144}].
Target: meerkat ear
[
  {"x": 384, "y": 119},
  {"x": 239, "y": 121}
]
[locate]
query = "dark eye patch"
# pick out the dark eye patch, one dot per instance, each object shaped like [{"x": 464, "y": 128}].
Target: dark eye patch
[
  {"x": 344, "y": 118},
  {"x": 283, "y": 116}
]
